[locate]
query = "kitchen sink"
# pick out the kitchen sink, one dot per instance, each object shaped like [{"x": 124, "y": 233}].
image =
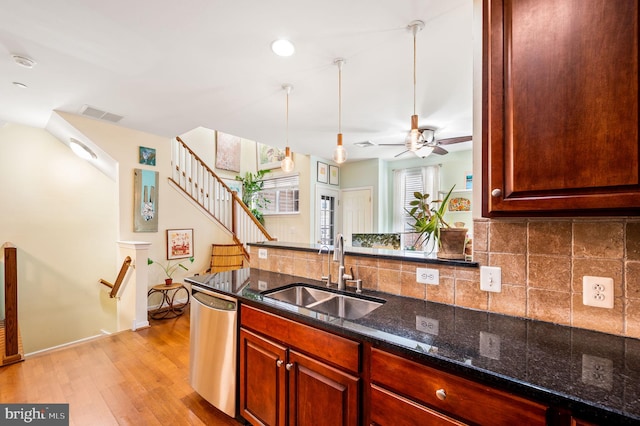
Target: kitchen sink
[{"x": 326, "y": 301}]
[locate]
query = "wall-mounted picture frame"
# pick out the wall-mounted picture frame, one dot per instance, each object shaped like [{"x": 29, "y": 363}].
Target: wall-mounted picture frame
[
  {"x": 323, "y": 172},
  {"x": 334, "y": 175},
  {"x": 179, "y": 243},
  {"x": 228, "y": 152},
  {"x": 147, "y": 156},
  {"x": 268, "y": 157},
  {"x": 145, "y": 201}
]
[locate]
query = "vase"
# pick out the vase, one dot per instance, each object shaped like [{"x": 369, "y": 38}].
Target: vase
[
  {"x": 452, "y": 243},
  {"x": 168, "y": 281}
]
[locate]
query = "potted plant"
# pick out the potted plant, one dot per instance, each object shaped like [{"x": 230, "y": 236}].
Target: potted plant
[
  {"x": 169, "y": 268},
  {"x": 252, "y": 184},
  {"x": 429, "y": 223}
]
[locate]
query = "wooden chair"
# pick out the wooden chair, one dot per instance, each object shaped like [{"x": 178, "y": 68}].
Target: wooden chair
[{"x": 226, "y": 257}]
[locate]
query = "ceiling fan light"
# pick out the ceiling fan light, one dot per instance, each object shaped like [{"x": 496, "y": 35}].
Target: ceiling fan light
[
  {"x": 339, "y": 153},
  {"x": 283, "y": 47},
  {"x": 287, "y": 164}
]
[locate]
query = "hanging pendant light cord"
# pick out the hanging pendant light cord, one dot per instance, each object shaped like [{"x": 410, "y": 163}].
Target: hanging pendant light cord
[
  {"x": 414, "y": 70},
  {"x": 287, "y": 121},
  {"x": 340, "y": 97}
]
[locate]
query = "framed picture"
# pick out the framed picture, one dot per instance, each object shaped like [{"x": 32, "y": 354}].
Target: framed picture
[
  {"x": 145, "y": 201},
  {"x": 228, "y": 151},
  {"x": 268, "y": 157},
  {"x": 147, "y": 156},
  {"x": 323, "y": 172},
  {"x": 179, "y": 243},
  {"x": 460, "y": 201},
  {"x": 334, "y": 175}
]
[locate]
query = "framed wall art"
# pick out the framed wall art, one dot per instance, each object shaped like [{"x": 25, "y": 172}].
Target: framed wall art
[
  {"x": 323, "y": 172},
  {"x": 179, "y": 243},
  {"x": 145, "y": 201},
  {"x": 228, "y": 152},
  {"x": 334, "y": 175},
  {"x": 147, "y": 156},
  {"x": 268, "y": 157}
]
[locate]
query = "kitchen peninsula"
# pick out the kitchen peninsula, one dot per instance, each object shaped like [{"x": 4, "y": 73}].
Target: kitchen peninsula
[{"x": 569, "y": 373}]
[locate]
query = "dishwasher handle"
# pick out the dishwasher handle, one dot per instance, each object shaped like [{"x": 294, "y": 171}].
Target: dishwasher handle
[{"x": 213, "y": 302}]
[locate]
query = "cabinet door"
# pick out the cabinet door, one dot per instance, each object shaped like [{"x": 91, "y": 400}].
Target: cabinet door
[
  {"x": 320, "y": 395},
  {"x": 262, "y": 380},
  {"x": 560, "y": 107}
]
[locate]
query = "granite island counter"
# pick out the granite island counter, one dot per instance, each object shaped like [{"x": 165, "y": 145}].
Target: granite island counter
[{"x": 595, "y": 376}]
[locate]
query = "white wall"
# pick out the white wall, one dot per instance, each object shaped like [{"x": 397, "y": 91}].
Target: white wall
[{"x": 61, "y": 214}]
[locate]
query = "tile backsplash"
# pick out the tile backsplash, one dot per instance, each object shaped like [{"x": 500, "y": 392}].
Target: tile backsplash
[{"x": 542, "y": 260}]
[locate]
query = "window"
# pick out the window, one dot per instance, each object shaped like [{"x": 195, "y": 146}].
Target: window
[
  {"x": 281, "y": 195},
  {"x": 327, "y": 219},
  {"x": 406, "y": 182}
]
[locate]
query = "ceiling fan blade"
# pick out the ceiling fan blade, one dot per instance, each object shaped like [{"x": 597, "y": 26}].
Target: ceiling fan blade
[
  {"x": 391, "y": 144},
  {"x": 403, "y": 152},
  {"x": 449, "y": 141},
  {"x": 440, "y": 151}
]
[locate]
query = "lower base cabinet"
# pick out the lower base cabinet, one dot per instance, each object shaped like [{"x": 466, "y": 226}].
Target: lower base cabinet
[
  {"x": 287, "y": 376},
  {"x": 404, "y": 392}
]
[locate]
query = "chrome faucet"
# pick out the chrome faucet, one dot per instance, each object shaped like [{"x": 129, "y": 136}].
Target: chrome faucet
[
  {"x": 328, "y": 276},
  {"x": 338, "y": 255}
]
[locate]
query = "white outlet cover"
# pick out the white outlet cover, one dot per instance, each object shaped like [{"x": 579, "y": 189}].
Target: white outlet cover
[
  {"x": 428, "y": 276},
  {"x": 491, "y": 279},
  {"x": 597, "y": 291},
  {"x": 262, "y": 253}
]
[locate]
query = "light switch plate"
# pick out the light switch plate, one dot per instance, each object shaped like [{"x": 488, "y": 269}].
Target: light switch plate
[{"x": 491, "y": 279}]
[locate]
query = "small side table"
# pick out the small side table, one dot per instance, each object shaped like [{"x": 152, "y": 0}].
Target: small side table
[{"x": 167, "y": 308}]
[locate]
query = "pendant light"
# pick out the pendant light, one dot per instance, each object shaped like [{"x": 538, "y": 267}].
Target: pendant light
[
  {"x": 339, "y": 154},
  {"x": 287, "y": 162},
  {"x": 413, "y": 142}
]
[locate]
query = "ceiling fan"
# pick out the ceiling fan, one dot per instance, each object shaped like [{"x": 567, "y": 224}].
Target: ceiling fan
[{"x": 429, "y": 144}]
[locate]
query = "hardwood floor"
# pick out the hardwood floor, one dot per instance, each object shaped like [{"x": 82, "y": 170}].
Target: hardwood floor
[{"x": 128, "y": 378}]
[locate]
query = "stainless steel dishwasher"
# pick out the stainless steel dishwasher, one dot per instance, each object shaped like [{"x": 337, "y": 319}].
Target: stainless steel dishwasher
[{"x": 213, "y": 334}]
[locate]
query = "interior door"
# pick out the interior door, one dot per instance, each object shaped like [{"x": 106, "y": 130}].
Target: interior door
[{"x": 357, "y": 213}]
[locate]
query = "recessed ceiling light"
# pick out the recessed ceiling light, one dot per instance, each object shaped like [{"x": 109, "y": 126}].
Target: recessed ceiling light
[
  {"x": 23, "y": 61},
  {"x": 283, "y": 47},
  {"x": 81, "y": 150},
  {"x": 20, "y": 85}
]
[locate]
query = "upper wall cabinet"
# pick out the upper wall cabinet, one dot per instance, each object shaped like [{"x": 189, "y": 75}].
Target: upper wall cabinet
[{"x": 560, "y": 107}]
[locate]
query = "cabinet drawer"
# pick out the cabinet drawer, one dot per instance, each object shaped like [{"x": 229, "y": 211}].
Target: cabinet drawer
[
  {"x": 335, "y": 350},
  {"x": 451, "y": 394}
]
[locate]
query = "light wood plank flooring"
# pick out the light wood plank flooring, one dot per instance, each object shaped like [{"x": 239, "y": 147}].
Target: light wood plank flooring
[{"x": 128, "y": 378}]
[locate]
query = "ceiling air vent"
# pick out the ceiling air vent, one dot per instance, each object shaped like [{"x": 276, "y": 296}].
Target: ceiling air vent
[{"x": 90, "y": 111}]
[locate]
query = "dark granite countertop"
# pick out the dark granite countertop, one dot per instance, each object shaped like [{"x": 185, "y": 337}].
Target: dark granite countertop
[{"x": 595, "y": 375}]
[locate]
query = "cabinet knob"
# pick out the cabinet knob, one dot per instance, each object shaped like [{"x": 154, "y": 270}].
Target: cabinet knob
[
  {"x": 279, "y": 363},
  {"x": 496, "y": 192},
  {"x": 288, "y": 366},
  {"x": 441, "y": 394}
]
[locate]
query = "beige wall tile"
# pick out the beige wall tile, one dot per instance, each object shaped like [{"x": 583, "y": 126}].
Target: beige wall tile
[
  {"x": 410, "y": 288},
  {"x": 599, "y": 319},
  {"x": 598, "y": 268},
  {"x": 549, "y": 305},
  {"x": 633, "y": 240},
  {"x": 632, "y": 283},
  {"x": 552, "y": 237},
  {"x": 470, "y": 274},
  {"x": 369, "y": 277},
  {"x": 507, "y": 237},
  {"x": 597, "y": 238},
  {"x": 389, "y": 281},
  {"x": 550, "y": 272},
  {"x": 514, "y": 270},
  {"x": 480, "y": 235},
  {"x": 632, "y": 319},
  {"x": 512, "y": 300},
  {"x": 468, "y": 294},
  {"x": 442, "y": 293}
]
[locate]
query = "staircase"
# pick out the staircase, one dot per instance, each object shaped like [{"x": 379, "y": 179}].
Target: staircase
[{"x": 204, "y": 187}]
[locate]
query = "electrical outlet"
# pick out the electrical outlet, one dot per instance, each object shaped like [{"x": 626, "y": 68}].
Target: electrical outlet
[
  {"x": 262, "y": 253},
  {"x": 597, "y": 371},
  {"x": 597, "y": 291},
  {"x": 491, "y": 278},
  {"x": 427, "y": 325},
  {"x": 428, "y": 276},
  {"x": 262, "y": 285}
]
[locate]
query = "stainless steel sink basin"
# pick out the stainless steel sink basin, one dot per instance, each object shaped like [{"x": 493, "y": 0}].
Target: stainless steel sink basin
[{"x": 326, "y": 301}]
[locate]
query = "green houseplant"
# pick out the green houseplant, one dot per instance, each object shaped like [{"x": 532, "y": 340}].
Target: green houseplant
[
  {"x": 170, "y": 268},
  {"x": 252, "y": 184},
  {"x": 429, "y": 223}
]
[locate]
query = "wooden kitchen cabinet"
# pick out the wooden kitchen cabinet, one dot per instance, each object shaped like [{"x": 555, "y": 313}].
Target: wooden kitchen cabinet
[
  {"x": 560, "y": 107},
  {"x": 404, "y": 392},
  {"x": 291, "y": 373}
]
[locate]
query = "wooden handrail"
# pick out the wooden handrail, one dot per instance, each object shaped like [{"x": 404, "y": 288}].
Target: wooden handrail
[
  {"x": 11, "y": 333},
  {"x": 116, "y": 286}
]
